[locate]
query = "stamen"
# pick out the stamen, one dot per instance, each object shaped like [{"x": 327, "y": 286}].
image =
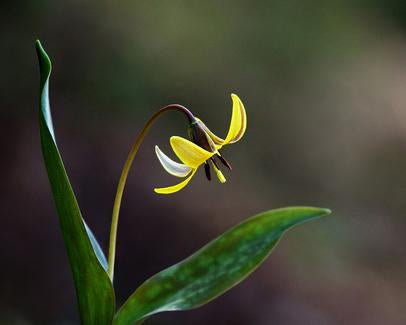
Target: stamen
[
  {"x": 225, "y": 162},
  {"x": 219, "y": 174},
  {"x": 214, "y": 162},
  {"x": 207, "y": 170}
]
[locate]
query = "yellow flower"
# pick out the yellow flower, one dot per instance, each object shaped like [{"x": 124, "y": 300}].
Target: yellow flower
[{"x": 202, "y": 149}]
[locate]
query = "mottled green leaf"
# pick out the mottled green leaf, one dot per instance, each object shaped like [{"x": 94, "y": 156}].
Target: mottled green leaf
[
  {"x": 215, "y": 268},
  {"x": 93, "y": 287}
]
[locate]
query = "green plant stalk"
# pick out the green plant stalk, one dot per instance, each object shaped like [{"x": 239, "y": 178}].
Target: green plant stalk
[{"x": 124, "y": 175}]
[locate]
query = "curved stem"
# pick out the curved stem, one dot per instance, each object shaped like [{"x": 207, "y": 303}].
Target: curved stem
[{"x": 124, "y": 174}]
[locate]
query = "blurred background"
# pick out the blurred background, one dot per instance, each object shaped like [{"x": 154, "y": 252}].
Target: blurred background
[{"x": 324, "y": 85}]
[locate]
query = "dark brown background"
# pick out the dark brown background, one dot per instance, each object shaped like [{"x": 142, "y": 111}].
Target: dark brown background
[{"x": 324, "y": 84}]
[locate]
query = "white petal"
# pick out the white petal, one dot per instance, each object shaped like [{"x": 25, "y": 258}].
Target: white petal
[{"x": 172, "y": 167}]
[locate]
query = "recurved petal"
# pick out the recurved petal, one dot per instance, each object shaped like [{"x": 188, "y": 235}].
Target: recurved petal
[
  {"x": 172, "y": 167},
  {"x": 189, "y": 153},
  {"x": 175, "y": 188},
  {"x": 217, "y": 140},
  {"x": 238, "y": 122}
]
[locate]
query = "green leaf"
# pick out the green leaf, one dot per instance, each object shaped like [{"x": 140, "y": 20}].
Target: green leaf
[
  {"x": 216, "y": 267},
  {"x": 94, "y": 289}
]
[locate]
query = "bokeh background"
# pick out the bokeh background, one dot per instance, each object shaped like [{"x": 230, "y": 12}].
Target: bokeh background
[{"x": 324, "y": 85}]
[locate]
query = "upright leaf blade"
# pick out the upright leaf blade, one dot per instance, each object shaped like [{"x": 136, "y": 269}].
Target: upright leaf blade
[
  {"x": 93, "y": 286},
  {"x": 215, "y": 268}
]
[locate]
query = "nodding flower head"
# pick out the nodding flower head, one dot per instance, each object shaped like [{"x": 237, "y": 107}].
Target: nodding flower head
[{"x": 202, "y": 148}]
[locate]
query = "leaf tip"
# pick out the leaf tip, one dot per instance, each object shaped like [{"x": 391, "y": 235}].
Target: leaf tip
[
  {"x": 43, "y": 57},
  {"x": 325, "y": 212},
  {"x": 318, "y": 212},
  {"x": 301, "y": 214}
]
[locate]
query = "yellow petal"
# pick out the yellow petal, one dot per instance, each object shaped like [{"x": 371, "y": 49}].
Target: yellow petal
[
  {"x": 175, "y": 188},
  {"x": 217, "y": 140},
  {"x": 189, "y": 153},
  {"x": 238, "y": 122}
]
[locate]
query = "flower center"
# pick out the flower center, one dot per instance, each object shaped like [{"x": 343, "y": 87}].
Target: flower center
[{"x": 199, "y": 136}]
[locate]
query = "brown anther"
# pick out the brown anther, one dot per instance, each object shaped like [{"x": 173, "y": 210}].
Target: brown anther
[
  {"x": 214, "y": 162},
  {"x": 207, "y": 170},
  {"x": 225, "y": 162}
]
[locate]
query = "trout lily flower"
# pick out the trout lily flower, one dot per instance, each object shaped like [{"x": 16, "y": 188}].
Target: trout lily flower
[{"x": 202, "y": 149}]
